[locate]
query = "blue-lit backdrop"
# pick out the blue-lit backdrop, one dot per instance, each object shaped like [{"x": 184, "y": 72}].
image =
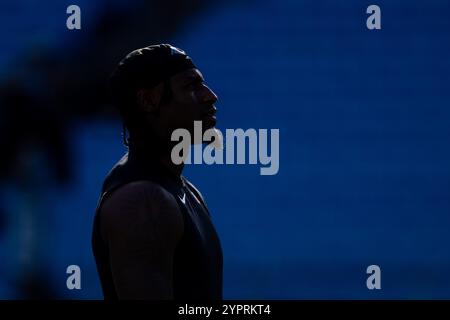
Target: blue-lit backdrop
[{"x": 364, "y": 120}]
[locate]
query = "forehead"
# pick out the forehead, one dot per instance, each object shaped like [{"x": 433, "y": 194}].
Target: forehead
[{"x": 187, "y": 75}]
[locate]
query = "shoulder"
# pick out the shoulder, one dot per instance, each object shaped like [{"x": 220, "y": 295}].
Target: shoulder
[
  {"x": 141, "y": 193},
  {"x": 140, "y": 207}
]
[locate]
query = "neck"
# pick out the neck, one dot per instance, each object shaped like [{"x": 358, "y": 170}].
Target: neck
[
  {"x": 155, "y": 150},
  {"x": 176, "y": 169}
]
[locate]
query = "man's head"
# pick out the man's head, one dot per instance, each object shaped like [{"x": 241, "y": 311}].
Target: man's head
[{"x": 158, "y": 89}]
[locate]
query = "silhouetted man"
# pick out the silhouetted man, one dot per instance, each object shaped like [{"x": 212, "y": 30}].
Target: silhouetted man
[{"x": 153, "y": 237}]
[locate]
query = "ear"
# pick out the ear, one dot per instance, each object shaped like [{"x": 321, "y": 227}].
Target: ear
[{"x": 150, "y": 99}]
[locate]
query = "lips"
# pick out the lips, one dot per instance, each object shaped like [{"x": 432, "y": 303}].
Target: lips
[
  {"x": 210, "y": 116},
  {"x": 210, "y": 112}
]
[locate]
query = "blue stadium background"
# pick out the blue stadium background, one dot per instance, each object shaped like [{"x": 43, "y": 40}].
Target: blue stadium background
[{"x": 364, "y": 119}]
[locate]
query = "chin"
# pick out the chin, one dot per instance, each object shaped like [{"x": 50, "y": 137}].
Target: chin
[{"x": 209, "y": 123}]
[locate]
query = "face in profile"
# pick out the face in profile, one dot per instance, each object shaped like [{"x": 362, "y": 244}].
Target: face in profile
[{"x": 191, "y": 100}]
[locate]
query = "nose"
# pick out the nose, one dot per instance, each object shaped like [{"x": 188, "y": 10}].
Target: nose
[{"x": 209, "y": 96}]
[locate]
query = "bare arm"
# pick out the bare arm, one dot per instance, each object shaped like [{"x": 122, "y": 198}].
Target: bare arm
[{"x": 142, "y": 224}]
